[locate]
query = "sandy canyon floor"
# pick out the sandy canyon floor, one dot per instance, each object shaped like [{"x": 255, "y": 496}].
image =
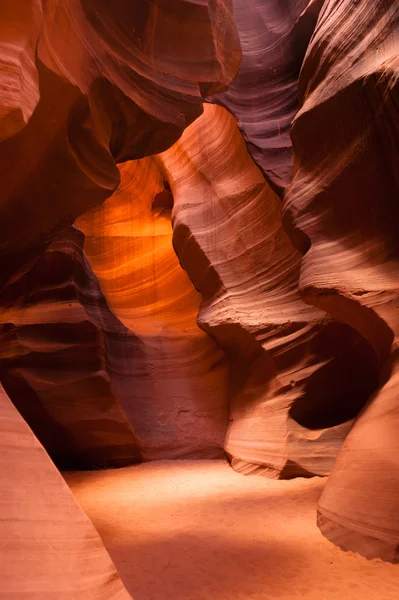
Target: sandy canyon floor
[{"x": 196, "y": 530}]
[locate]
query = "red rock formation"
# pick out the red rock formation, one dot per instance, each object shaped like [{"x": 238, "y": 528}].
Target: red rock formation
[
  {"x": 263, "y": 97},
  {"x": 342, "y": 212},
  {"x": 297, "y": 376},
  {"x": 103, "y": 356},
  {"x": 84, "y": 85},
  {"x": 172, "y": 380},
  {"x": 54, "y": 363},
  {"x": 19, "y": 30},
  {"x": 114, "y": 83},
  {"x": 49, "y": 548}
]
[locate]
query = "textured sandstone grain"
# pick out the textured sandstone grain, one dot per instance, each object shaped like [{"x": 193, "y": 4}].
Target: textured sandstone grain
[
  {"x": 172, "y": 380},
  {"x": 55, "y": 328},
  {"x": 49, "y": 548},
  {"x": 264, "y": 96},
  {"x": 88, "y": 84},
  {"x": 342, "y": 211},
  {"x": 281, "y": 321},
  {"x": 297, "y": 376}
]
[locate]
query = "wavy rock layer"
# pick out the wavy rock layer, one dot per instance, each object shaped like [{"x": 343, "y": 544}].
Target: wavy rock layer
[
  {"x": 19, "y": 30},
  {"x": 306, "y": 314},
  {"x": 107, "y": 84},
  {"x": 263, "y": 97},
  {"x": 49, "y": 548},
  {"x": 297, "y": 376},
  {"x": 342, "y": 210},
  {"x": 55, "y": 326},
  {"x": 173, "y": 382},
  {"x": 85, "y": 85}
]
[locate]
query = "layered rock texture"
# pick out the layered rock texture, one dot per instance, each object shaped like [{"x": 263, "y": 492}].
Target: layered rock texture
[
  {"x": 198, "y": 259},
  {"x": 343, "y": 213},
  {"x": 56, "y": 336},
  {"x": 87, "y": 84},
  {"x": 49, "y": 548},
  {"x": 171, "y": 379},
  {"x": 298, "y": 377},
  {"x": 274, "y": 36}
]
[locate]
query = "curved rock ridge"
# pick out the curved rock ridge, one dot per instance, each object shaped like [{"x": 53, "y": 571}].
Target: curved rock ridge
[
  {"x": 274, "y": 36},
  {"x": 342, "y": 212},
  {"x": 297, "y": 377},
  {"x": 49, "y": 548},
  {"x": 142, "y": 62},
  {"x": 19, "y": 30},
  {"x": 272, "y": 335},
  {"x": 87, "y": 84},
  {"x": 172, "y": 380},
  {"x": 55, "y": 326}
]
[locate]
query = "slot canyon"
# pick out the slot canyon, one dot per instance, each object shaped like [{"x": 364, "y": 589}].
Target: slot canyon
[{"x": 199, "y": 299}]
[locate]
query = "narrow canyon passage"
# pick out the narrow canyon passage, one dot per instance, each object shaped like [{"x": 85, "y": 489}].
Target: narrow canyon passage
[
  {"x": 197, "y": 530},
  {"x": 171, "y": 379},
  {"x": 199, "y": 300}
]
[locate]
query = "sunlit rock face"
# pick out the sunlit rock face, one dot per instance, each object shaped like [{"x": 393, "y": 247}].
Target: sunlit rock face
[
  {"x": 181, "y": 282},
  {"x": 86, "y": 84},
  {"x": 49, "y": 547},
  {"x": 172, "y": 380},
  {"x": 298, "y": 377},
  {"x": 342, "y": 212}
]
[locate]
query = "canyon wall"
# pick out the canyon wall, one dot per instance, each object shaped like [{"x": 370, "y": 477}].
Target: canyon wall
[
  {"x": 49, "y": 547},
  {"x": 85, "y": 85},
  {"x": 298, "y": 378},
  {"x": 274, "y": 36},
  {"x": 199, "y": 258},
  {"x": 342, "y": 212},
  {"x": 54, "y": 361},
  {"x": 171, "y": 379}
]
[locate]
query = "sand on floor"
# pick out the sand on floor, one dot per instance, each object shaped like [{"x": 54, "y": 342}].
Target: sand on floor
[{"x": 196, "y": 530}]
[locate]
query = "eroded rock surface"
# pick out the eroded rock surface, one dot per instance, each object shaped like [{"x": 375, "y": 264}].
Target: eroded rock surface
[
  {"x": 172, "y": 380},
  {"x": 84, "y": 85},
  {"x": 263, "y": 97},
  {"x": 87, "y": 84},
  {"x": 342, "y": 211},
  {"x": 49, "y": 548},
  {"x": 56, "y": 330},
  {"x": 296, "y": 301},
  {"x": 298, "y": 377}
]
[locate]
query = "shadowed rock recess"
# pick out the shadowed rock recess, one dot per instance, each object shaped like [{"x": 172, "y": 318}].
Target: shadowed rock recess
[{"x": 199, "y": 259}]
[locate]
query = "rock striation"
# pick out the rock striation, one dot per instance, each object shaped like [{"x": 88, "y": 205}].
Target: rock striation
[
  {"x": 185, "y": 280},
  {"x": 84, "y": 86},
  {"x": 49, "y": 547},
  {"x": 171, "y": 379},
  {"x": 342, "y": 212},
  {"x": 54, "y": 364},
  {"x": 88, "y": 85},
  {"x": 298, "y": 377},
  {"x": 274, "y": 36}
]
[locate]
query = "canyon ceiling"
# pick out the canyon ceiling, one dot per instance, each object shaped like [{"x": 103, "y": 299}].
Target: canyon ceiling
[{"x": 199, "y": 258}]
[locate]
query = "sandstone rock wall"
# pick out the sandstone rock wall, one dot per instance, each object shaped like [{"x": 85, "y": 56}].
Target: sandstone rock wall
[
  {"x": 49, "y": 548},
  {"x": 54, "y": 360},
  {"x": 173, "y": 381},
  {"x": 274, "y": 36},
  {"x": 298, "y": 377},
  {"x": 342, "y": 212},
  {"x": 84, "y": 85},
  {"x": 274, "y": 331}
]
